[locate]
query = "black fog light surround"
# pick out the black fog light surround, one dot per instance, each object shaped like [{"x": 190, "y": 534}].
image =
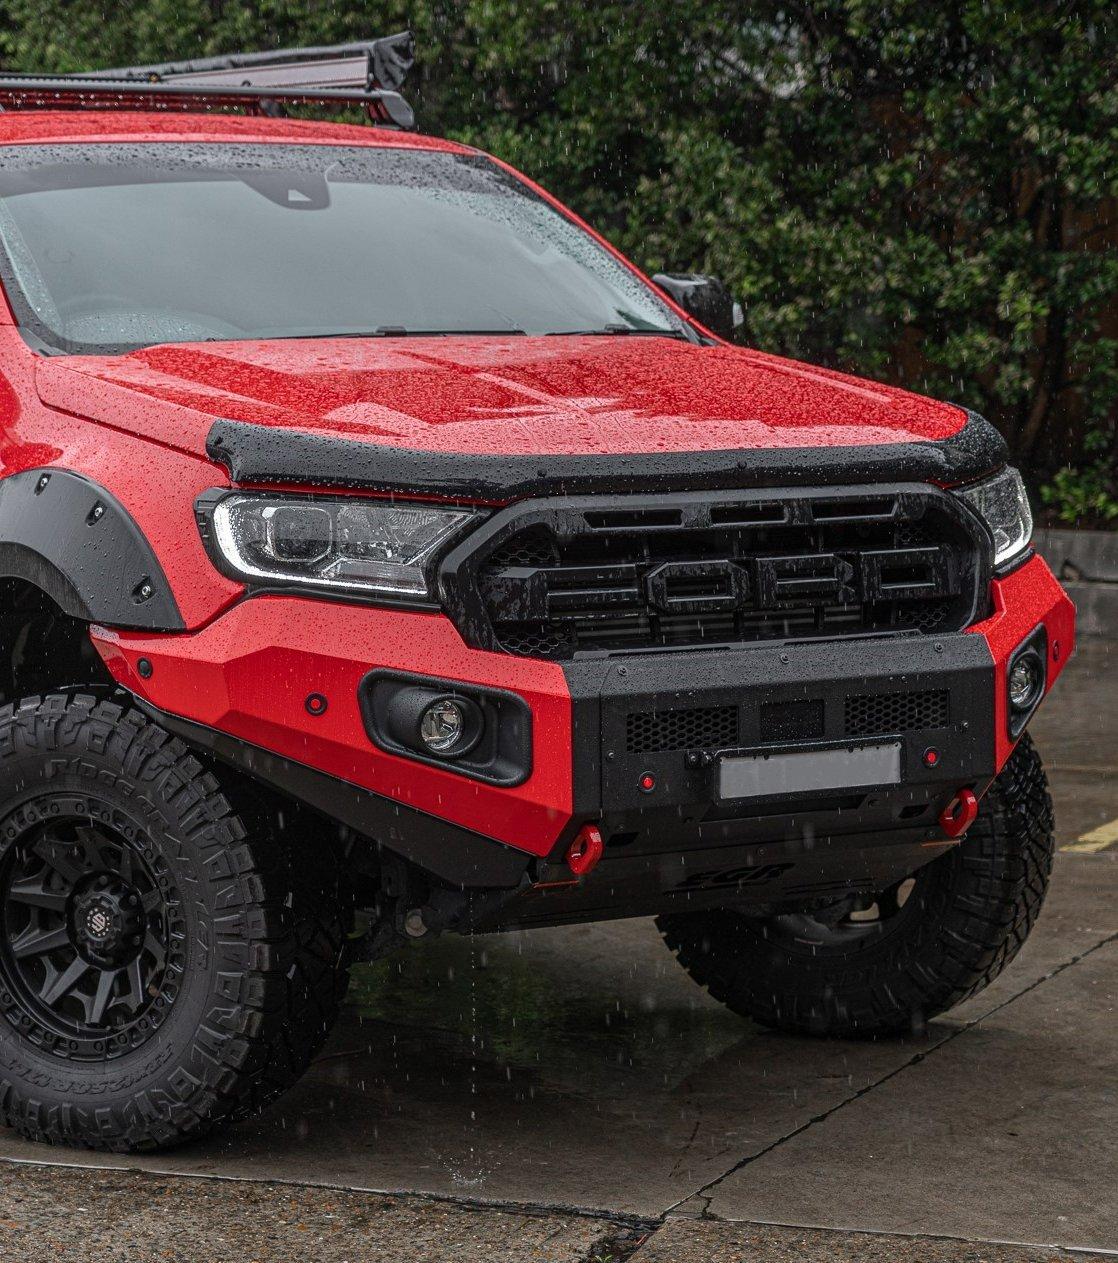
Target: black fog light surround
[
  {"x": 1025, "y": 678},
  {"x": 478, "y": 732}
]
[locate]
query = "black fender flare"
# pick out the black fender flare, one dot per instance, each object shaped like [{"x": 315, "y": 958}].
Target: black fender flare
[{"x": 77, "y": 543}]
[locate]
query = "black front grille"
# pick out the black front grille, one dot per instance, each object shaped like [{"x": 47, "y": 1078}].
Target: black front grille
[
  {"x": 705, "y": 727},
  {"x": 560, "y": 578},
  {"x": 872, "y": 715}
]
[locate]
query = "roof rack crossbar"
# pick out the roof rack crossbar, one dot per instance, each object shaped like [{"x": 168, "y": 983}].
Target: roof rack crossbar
[{"x": 365, "y": 74}]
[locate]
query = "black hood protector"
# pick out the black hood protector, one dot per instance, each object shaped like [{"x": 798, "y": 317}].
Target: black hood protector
[{"x": 267, "y": 454}]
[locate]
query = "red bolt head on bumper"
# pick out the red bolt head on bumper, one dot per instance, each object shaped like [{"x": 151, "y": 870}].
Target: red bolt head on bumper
[{"x": 586, "y": 850}]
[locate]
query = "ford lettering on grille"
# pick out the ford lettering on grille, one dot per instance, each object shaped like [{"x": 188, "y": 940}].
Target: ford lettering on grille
[{"x": 697, "y": 569}]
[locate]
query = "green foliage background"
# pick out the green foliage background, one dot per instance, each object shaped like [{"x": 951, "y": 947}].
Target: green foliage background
[{"x": 921, "y": 191}]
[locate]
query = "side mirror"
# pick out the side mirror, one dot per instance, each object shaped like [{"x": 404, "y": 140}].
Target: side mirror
[{"x": 705, "y": 297}]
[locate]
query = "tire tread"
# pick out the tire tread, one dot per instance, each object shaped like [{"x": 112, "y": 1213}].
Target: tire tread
[
  {"x": 984, "y": 902},
  {"x": 284, "y": 916}
]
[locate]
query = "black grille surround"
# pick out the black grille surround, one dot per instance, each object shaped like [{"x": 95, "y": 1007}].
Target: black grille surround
[{"x": 566, "y": 577}]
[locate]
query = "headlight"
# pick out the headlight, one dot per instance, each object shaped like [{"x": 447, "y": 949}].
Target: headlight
[
  {"x": 1002, "y": 504},
  {"x": 361, "y": 546}
]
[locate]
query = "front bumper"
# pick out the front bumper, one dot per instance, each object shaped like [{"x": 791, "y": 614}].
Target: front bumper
[
  {"x": 928, "y": 696},
  {"x": 242, "y": 683}
]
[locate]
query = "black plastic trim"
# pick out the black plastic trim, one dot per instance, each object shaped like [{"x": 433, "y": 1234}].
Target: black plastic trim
[
  {"x": 458, "y": 856},
  {"x": 264, "y": 453},
  {"x": 74, "y": 540},
  {"x": 503, "y": 754},
  {"x": 1014, "y": 563}
]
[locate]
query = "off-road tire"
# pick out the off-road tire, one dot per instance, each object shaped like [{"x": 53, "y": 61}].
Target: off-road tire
[
  {"x": 965, "y": 919},
  {"x": 258, "y": 928}
]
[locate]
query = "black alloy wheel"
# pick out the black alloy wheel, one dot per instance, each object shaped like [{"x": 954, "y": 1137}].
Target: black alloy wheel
[
  {"x": 94, "y": 944},
  {"x": 173, "y": 943}
]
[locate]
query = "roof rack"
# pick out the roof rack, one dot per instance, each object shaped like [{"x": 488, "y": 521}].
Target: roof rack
[{"x": 367, "y": 74}]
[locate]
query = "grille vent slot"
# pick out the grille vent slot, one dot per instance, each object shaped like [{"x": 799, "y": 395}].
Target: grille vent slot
[
  {"x": 870, "y": 715},
  {"x": 699, "y": 729},
  {"x": 792, "y": 721}
]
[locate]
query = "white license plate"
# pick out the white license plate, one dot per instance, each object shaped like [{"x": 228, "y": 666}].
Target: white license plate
[{"x": 798, "y": 771}]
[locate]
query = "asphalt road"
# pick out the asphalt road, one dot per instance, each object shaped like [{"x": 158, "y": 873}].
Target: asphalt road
[{"x": 569, "y": 1094}]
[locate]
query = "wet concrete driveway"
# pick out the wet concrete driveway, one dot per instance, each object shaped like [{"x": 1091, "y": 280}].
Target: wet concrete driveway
[{"x": 580, "y": 1067}]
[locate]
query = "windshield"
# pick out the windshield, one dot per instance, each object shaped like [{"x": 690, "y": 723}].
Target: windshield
[{"x": 111, "y": 247}]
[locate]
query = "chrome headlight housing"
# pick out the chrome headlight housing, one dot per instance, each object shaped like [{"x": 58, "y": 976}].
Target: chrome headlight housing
[
  {"x": 361, "y": 547},
  {"x": 1002, "y": 503}
]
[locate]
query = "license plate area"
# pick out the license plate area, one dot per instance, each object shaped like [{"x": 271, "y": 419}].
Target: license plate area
[{"x": 774, "y": 773}]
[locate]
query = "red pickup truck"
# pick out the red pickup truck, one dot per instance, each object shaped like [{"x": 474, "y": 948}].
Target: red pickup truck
[{"x": 383, "y": 555}]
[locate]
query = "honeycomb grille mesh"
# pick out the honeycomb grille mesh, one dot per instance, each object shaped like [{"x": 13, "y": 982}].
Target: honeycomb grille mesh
[
  {"x": 698, "y": 729},
  {"x": 870, "y": 715},
  {"x": 533, "y": 547}
]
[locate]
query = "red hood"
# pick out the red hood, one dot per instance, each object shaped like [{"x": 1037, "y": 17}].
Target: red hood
[{"x": 494, "y": 396}]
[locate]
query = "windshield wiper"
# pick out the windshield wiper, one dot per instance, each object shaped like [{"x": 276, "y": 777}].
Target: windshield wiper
[
  {"x": 399, "y": 331},
  {"x": 402, "y": 331},
  {"x": 619, "y": 331}
]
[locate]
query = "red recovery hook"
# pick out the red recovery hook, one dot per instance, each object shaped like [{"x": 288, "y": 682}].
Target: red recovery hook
[
  {"x": 585, "y": 851},
  {"x": 959, "y": 814}
]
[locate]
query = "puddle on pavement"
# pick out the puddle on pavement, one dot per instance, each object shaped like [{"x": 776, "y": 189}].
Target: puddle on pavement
[
  {"x": 486, "y": 1000},
  {"x": 459, "y": 1056},
  {"x": 551, "y": 1065}
]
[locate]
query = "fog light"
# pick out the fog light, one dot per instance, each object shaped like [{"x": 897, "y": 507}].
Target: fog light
[
  {"x": 1024, "y": 680},
  {"x": 445, "y": 727}
]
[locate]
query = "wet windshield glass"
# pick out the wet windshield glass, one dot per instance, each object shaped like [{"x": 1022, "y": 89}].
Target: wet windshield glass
[{"x": 110, "y": 247}]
